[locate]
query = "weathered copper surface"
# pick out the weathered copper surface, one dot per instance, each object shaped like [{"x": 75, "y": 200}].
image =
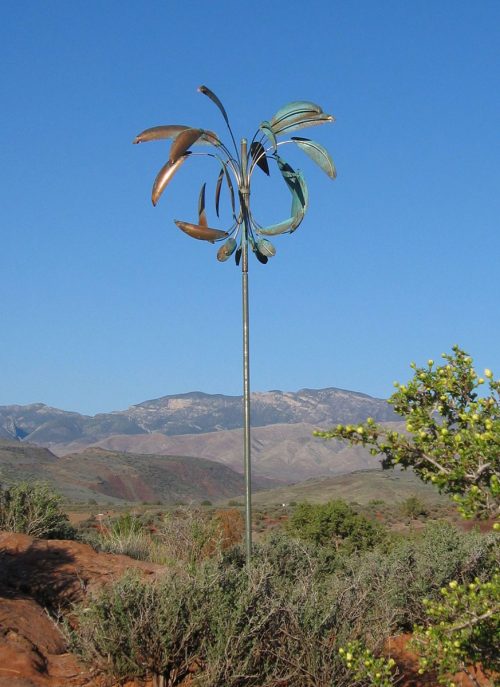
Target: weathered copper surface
[
  {"x": 237, "y": 170},
  {"x": 164, "y": 176},
  {"x": 197, "y": 231}
]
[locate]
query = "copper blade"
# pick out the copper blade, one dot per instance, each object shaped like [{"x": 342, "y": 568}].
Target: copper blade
[
  {"x": 202, "y": 233},
  {"x": 164, "y": 176},
  {"x": 157, "y": 133},
  {"x": 183, "y": 141}
]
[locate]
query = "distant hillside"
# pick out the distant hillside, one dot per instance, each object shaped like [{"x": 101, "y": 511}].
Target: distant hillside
[
  {"x": 391, "y": 486},
  {"x": 191, "y": 413},
  {"x": 111, "y": 475},
  {"x": 289, "y": 453}
]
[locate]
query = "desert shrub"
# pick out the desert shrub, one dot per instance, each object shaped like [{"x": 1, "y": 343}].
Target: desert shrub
[
  {"x": 238, "y": 627},
  {"x": 127, "y": 535},
  {"x": 335, "y": 524},
  {"x": 136, "y": 628},
  {"x": 413, "y": 507},
  {"x": 283, "y": 620},
  {"x": 188, "y": 536},
  {"x": 231, "y": 525},
  {"x": 388, "y": 586},
  {"x": 33, "y": 508}
]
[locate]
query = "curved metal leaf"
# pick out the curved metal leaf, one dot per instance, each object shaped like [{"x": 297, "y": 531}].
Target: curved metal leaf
[
  {"x": 258, "y": 153},
  {"x": 237, "y": 256},
  {"x": 296, "y": 184},
  {"x": 182, "y": 142},
  {"x": 164, "y": 176},
  {"x": 218, "y": 187},
  {"x": 300, "y": 198},
  {"x": 282, "y": 227},
  {"x": 318, "y": 154},
  {"x": 229, "y": 185},
  {"x": 157, "y": 133},
  {"x": 294, "y": 108},
  {"x": 266, "y": 129},
  {"x": 266, "y": 248},
  {"x": 209, "y": 137},
  {"x": 210, "y": 94},
  {"x": 202, "y": 215},
  {"x": 226, "y": 250},
  {"x": 197, "y": 231},
  {"x": 299, "y": 122}
]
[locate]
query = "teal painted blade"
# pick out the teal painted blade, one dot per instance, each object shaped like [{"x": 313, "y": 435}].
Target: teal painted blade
[
  {"x": 266, "y": 248},
  {"x": 260, "y": 256},
  {"x": 226, "y": 250},
  {"x": 297, "y": 107},
  {"x": 299, "y": 122},
  {"x": 318, "y": 154},
  {"x": 280, "y": 228},
  {"x": 297, "y": 187},
  {"x": 266, "y": 129},
  {"x": 300, "y": 200}
]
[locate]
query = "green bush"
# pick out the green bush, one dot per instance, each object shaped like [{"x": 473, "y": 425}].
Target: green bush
[
  {"x": 34, "y": 509},
  {"x": 334, "y": 524},
  {"x": 413, "y": 507},
  {"x": 126, "y": 535},
  {"x": 281, "y": 622}
]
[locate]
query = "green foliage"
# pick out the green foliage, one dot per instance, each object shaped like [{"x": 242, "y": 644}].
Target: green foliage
[
  {"x": 282, "y": 622},
  {"x": 413, "y": 507},
  {"x": 463, "y": 629},
  {"x": 334, "y": 524},
  {"x": 135, "y": 628},
  {"x": 452, "y": 441},
  {"x": 367, "y": 668},
  {"x": 453, "y": 433},
  {"x": 125, "y": 535},
  {"x": 34, "y": 509}
]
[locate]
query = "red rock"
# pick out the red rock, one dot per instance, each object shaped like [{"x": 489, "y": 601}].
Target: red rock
[{"x": 35, "y": 574}]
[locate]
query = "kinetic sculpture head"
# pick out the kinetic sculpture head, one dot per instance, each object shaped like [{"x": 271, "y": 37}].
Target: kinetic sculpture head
[{"x": 263, "y": 147}]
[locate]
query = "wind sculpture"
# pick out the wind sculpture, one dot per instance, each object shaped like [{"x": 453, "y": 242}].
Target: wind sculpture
[{"x": 237, "y": 171}]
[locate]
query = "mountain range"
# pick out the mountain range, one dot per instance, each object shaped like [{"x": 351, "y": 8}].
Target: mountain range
[
  {"x": 189, "y": 427},
  {"x": 191, "y": 413}
]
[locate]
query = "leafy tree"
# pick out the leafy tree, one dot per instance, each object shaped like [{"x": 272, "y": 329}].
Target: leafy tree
[
  {"x": 452, "y": 437},
  {"x": 452, "y": 440}
]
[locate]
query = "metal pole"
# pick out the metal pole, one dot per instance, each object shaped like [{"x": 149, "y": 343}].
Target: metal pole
[{"x": 246, "y": 355}]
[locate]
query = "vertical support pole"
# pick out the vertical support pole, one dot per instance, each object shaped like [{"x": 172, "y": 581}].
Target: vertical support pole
[{"x": 246, "y": 353}]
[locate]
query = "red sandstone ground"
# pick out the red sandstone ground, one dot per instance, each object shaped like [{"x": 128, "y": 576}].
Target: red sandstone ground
[{"x": 36, "y": 574}]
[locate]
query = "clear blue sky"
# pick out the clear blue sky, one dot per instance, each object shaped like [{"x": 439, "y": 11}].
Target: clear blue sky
[{"x": 105, "y": 303}]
